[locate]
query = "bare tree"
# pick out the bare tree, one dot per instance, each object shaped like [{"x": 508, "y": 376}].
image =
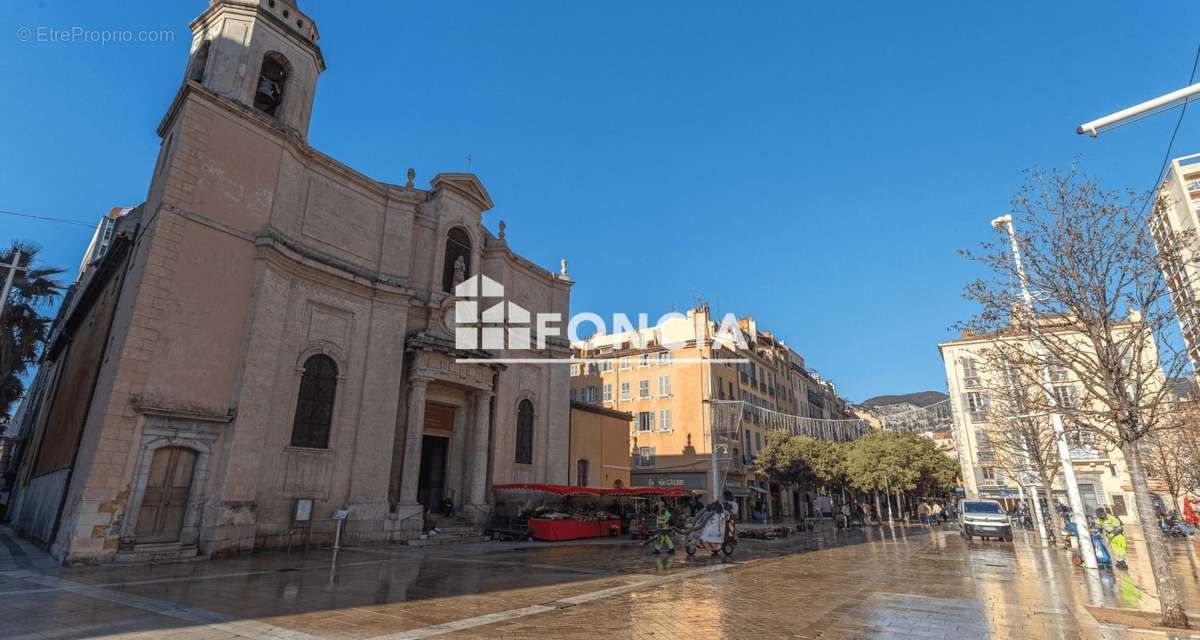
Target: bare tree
[
  {"x": 1183, "y": 449},
  {"x": 1165, "y": 453},
  {"x": 1025, "y": 443},
  {"x": 1106, "y": 326}
]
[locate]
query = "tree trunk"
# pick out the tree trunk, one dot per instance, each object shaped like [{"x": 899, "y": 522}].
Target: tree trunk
[
  {"x": 887, "y": 496},
  {"x": 1156, "y": 548},
  {"x": 878, "y": 510},
  {"x": 899, "y": 505}
]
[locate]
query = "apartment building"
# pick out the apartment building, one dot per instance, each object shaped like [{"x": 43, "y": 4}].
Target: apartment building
[
  {"x": 979, "y": 415},
  {"x": 665, "y": 377},
  {"x": 1180, "y": 193},
  {"x": 102, "y": 238}
]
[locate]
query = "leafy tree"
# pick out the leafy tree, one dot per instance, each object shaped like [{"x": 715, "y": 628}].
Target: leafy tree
[
  {"x": 828, "y": 462},
  {"x": 939, "y": 472},
  {"x": 786, "y": 459},
  {"x": 882, "y": 461},
  {"x": 878, "y": 463},
  {"x": 23, "y": 329}
]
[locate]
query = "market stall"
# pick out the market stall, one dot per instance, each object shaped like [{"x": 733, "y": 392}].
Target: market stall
[{"x": 553, "y": 512}]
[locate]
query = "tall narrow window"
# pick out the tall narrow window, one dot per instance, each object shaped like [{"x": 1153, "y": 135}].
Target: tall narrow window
[
  {"x": 272, "y": 79},
  {"x": 525, "y": 432},
  {"x": 314, "y": 403},
  {"x": 457, "y": 265},
  {"x": 199, "y": 62},
  {"x": 581, "y": 473},
  {"x": 970, "y": 373}
]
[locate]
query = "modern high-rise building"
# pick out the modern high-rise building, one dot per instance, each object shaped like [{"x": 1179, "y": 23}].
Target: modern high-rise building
[
  {"x": 102, "y": 238},
  {"x": 1180, "y": 192}
]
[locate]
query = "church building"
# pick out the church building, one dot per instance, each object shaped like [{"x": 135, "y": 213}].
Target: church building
[{"x": 269, "y": 338}]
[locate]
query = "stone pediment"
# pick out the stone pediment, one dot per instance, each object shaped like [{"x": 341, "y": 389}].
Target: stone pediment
[{"x": 466, "y": 185}]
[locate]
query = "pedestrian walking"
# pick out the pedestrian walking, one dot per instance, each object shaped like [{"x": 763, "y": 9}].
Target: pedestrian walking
[
  {"x": 923, "y": 513},
  {"x": 936, "y": 512}
]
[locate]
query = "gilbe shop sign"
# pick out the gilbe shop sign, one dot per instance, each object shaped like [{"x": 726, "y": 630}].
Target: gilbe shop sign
[{"x": 673, "y": 480}]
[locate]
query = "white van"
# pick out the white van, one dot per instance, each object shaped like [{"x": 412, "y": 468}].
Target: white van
[{"x": 984, "y": 518}]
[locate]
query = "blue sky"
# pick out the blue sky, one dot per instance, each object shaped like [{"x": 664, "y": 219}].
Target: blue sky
[{"x": 816, "y": 165}]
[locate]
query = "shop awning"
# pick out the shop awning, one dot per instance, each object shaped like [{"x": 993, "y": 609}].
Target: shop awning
[
  {"x": 552, "y": 489},
  {"x": 614, "y": 492},
  {"x": 758, "y": 490}
]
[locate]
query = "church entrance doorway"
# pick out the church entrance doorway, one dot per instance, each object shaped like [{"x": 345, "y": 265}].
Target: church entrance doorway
[{"x": 431, "y": 485}]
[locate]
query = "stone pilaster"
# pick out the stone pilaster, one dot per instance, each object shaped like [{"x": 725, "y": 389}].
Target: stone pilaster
[
  {"x": 414, "y": 430},
  {"x": 477, "y": 462}
]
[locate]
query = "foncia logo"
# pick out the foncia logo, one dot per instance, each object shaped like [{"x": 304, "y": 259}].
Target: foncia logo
[{"x": 484, "y": 320}]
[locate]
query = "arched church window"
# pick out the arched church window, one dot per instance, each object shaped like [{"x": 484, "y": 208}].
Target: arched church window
[
  {"x": 272, "y": 79},
  {"x": 314, "y": 403},
  {"x": 457, "y": 265},
  {"x": 525, "y": 432}
]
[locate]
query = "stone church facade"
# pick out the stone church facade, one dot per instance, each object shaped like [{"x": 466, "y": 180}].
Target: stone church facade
[{"x": 270, "y": 333}]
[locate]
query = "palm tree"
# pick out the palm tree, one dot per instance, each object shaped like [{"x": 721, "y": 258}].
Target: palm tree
[{"x": 23, "y": 329}]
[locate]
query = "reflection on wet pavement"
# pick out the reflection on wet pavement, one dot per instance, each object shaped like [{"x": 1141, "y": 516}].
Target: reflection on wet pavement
[{"x": 882, "y": 582}]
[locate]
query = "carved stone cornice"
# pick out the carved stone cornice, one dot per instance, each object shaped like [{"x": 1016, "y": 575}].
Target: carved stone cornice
[
  {"x": 435, "y": 359},
  {"x": 200, "y": 414}
]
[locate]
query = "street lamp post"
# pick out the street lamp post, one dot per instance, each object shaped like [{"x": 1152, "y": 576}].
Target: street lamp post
[
  {"x": 1005, "y": 223},
  {"x": 1144, "y": 110},
  {"x": 1033, "y": 488}
]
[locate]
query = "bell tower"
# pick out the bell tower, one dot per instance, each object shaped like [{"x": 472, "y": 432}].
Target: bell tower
[{"x": 261, "y": 53}]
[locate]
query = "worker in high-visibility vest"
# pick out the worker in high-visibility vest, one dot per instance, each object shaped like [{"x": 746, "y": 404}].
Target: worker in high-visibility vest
[
  {"x": 1114, "y": 532},
  {"x": 663, "y": 523}
]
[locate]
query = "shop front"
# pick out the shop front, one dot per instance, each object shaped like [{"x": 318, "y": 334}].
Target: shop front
[
  {"x": 666, "y": 480},
  {"x": 553, "y": 513}
]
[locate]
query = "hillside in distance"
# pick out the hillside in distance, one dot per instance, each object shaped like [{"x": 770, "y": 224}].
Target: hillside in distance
[{"x": 919, "y": 399}]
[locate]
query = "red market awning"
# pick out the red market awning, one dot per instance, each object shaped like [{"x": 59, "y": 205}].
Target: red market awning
[
  {"x": 615, "y": 492},
  {"x": 648, "y": 492},
  {"x": 552, "y": 489}
]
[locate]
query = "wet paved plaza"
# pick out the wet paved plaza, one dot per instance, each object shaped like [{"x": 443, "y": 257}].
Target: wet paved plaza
[{"x": 880, "y": 583}]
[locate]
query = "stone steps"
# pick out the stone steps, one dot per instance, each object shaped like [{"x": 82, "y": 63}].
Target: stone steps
[
  {"x": 445, "y": 539},
  {"x": 450, "y": 531}
]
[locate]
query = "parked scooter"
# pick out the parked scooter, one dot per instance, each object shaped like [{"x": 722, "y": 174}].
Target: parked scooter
[
  {"x": 1173, "y": 527},
  {"x": 1103, "y": 558}
]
